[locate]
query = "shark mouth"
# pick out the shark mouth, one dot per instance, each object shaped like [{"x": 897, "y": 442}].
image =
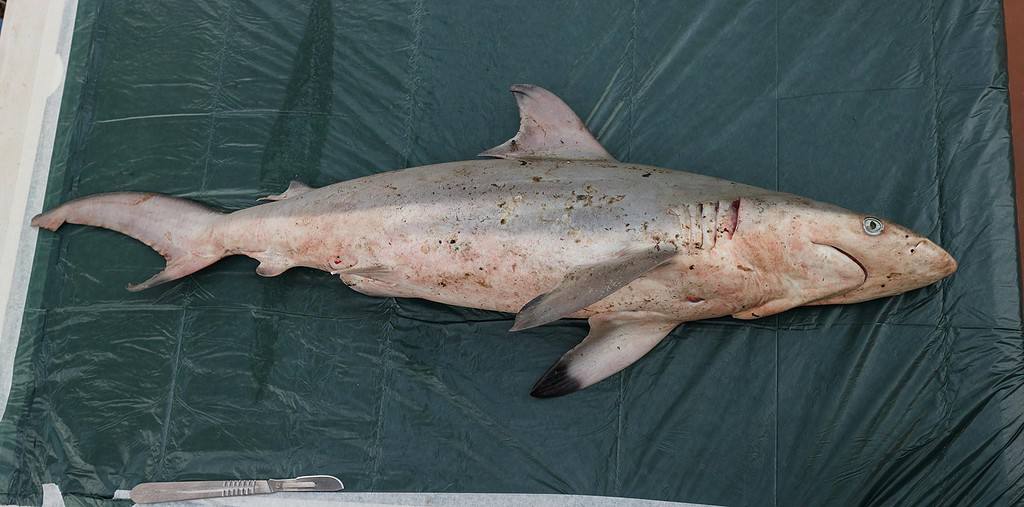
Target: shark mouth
[
  {"x": 836, "y": 298},
  {"x": 852, "y": 258}
]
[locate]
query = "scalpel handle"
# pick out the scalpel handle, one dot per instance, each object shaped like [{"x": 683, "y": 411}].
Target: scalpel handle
[{"x": 153, "y": 492}]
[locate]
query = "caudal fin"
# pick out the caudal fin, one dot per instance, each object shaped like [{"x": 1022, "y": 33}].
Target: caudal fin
[{"x": 178, "y": 229}]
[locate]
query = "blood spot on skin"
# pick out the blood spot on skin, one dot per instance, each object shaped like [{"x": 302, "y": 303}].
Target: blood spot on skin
[
  {"x": 694, "y": 299},
  {"x": 143, "y": 199}
]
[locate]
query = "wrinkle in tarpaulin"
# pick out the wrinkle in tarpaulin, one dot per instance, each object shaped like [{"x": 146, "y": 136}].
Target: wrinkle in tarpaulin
[{"x": 894, "y": 108}]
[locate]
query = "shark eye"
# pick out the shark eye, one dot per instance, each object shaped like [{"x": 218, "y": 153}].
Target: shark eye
[{"x": 873, "y": 226}]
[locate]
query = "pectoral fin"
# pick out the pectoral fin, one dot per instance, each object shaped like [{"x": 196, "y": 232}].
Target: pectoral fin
[
  {"x": 587, "y": 285},
  {"x": 616, "y": 340}
]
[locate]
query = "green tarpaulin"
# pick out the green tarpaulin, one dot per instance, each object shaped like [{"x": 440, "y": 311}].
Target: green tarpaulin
[{"x": 897, "y": 107}]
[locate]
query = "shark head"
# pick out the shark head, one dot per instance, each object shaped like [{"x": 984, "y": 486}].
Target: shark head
[
  {"x": 813, "y": 253},
  {"x": 894, "y": 258}
]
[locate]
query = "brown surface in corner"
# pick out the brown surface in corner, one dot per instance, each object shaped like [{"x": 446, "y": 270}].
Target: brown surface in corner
[{"x": 1014, "y": 12}]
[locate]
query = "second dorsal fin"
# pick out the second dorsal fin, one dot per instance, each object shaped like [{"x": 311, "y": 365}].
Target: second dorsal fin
[
  {"x": 548, "y": 128},
  {"x": 294, "y": 188}
]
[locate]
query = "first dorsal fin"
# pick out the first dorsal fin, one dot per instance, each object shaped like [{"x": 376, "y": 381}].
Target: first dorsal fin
[{"x": 548, "y": 128}]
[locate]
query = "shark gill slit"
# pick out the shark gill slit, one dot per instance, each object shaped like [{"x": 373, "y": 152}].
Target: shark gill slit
[
  {"x": 704, "y": 224},
  {"x": 708, "y": 229}
]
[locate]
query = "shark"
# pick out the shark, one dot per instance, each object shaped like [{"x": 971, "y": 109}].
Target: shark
[{"x": 547, "y": 225}]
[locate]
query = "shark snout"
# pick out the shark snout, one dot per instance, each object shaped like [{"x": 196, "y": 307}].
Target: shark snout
[
  {"x": 907, "y": 266},
  {"x": 939, "y": 262}
]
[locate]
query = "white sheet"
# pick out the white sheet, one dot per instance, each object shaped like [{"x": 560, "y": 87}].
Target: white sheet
[
  {"x": 426, "y": 499},
  {"x": 34, "y": 47}
]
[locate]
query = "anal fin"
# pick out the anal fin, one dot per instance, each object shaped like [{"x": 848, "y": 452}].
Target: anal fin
[
  {"x": 270, "y": 268},
  {"x": 616, "y": 340}
]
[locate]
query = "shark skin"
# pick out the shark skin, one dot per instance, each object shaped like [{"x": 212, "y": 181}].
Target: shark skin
[{"x": 551, "y": 227}]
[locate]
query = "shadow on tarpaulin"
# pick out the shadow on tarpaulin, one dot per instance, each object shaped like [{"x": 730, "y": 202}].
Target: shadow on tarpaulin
[{"x": 899, "y": 108}]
